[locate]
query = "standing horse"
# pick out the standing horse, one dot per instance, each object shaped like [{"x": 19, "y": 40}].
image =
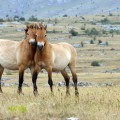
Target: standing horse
[
  {"x": 18, "y": 55},
  {"x": 54, "y": 58}
]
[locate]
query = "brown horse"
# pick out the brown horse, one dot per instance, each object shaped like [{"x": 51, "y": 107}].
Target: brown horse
[
  {"x": 18, "y": 55},
  {"x": 54, "y": 58}
]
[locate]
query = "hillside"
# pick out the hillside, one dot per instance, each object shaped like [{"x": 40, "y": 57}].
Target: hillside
[{"x": 55, "y": 8}]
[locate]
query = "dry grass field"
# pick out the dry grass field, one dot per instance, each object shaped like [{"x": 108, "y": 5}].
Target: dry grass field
[{"x": 93, "y": 103}]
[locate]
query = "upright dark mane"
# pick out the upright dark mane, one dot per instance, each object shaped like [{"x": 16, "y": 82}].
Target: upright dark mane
[{"x": 30, "y": 26}]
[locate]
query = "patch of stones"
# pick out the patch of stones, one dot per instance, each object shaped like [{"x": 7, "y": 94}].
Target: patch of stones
[
  {"x": 77, "y": 45},
  {"x": 14, "y": 84},
  {"x": 85, "y": 84},
  {"x": 112, "y": 71},
  {"x": 3, "y": 79}
]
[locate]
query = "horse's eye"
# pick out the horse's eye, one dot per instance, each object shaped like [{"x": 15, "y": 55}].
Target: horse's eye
[{"x": 45, "y": 35}]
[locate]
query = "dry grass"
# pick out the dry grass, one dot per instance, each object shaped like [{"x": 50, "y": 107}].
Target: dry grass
[{"x": 94, "y": 103}]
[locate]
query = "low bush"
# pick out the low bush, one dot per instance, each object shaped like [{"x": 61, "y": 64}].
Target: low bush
[{"x": 95, "y": 63}]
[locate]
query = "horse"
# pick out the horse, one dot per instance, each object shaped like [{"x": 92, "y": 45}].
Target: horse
[
  {"x": 16, "y": 55},
  {"x": 54, "y": 58}
]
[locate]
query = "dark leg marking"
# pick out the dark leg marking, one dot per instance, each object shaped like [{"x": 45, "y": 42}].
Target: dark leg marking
[
  {"x": 20, "y": 82},
  {"x": 34, "y": 79},
  {"x": 50, "y": 82}
]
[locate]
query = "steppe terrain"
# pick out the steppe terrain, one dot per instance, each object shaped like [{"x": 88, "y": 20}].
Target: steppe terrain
[{"x": 97, "y": 40}]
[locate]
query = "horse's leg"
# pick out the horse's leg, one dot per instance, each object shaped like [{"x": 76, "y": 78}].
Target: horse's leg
[
  {"x": 34, "y": 73},
  {"x": 21, "y": 79},
  {"x": 1, "y": 72},
  {"x": 50, "y": 82},
  {"x": 74, "y": 76},
  {"x": 66, "y": 78}
]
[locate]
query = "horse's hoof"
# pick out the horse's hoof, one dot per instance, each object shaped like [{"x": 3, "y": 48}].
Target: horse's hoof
[
  {"x": 76, "y": 93},
  {"x": 20, "y": 92},
  {"x": 52, "y": 93},
  {"x": 67, "y": 94},
  {"x": 36, "y": 93}
]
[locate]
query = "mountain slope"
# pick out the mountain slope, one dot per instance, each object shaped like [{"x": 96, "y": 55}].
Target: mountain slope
[{"x": 53, "y": 8}]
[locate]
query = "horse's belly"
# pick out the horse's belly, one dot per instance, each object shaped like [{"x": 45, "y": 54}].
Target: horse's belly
[
  {"x": 61, "y": 60},
  {"x": 8, "y": 65},
  {"x": 60, "y": 65},
  {"x": 8, "y": 62}
]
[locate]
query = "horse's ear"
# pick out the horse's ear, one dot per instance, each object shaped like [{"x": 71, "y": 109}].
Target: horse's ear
[
  {"x": 45, "y": 27},
  {"x": 27, "y": 26},
  {"x": 26, "y": 29},
  {"x": 35, "y": 26},
  {"x": 40, "y": 26}
]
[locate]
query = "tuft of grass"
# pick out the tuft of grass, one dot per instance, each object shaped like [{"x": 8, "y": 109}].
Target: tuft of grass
[
  {"x": 17, "y": 108},
  {"x": 8, "y": 72}
]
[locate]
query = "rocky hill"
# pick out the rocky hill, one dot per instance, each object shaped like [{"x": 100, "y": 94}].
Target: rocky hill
[{"x": 55, "y": 8}]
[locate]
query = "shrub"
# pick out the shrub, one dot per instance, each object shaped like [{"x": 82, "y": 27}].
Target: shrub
[
  {"x": 32, "y": 18},
  {"x": 65, "y": 15},
  {"x": 22, "y": 19},
  {"x": 91, "y": 42},
  {"x": 104, "y": 32},
  {"x": 82, "y": 44},
  {"x": 1, "y": 20},
  {"x": 110, "y": 14},
  {"x": 106, "y": 43},
  {"x": 99, "y": 41},
  {"x": 114, "y": 31},
  {"x": 56, "y": 21},
  {"x": 73, "y": 32},
  {"x": 94, "y": 38},
  {"x": 105, "y": 21},
  {"x": 93, "y": 31},
  {"x": 95, "y": 63},
  {"x": 82, "y": 28},
  {"x": 54, "y": 31}
]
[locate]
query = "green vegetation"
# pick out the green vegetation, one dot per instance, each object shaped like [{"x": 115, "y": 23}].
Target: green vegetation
[
  {"x": 91, "y": 32},
  {"x": 105, "y": 21},
  {"x": 22, "y": 19},
  {"x": 1, "y": 20},
  {"x": 17, "y": 108},
  {"x": 99, "y": 41},
  {"x": 94, "y": 103},
  {"x": 33, "y": 18},
  {"x": 91, "y": 42},
  {"x": 73, "y": 32},
  {"x": 95, "y": 63},
  {"x": 65, "y": 15}
]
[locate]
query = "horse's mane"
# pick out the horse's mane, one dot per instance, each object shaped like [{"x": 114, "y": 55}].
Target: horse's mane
[
  {"x": 41, "y": 26},
  {"x": 32, "y": 25}
]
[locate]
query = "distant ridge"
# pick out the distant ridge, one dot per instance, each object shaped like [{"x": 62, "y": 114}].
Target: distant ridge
[{"x": 55, "y": 8}]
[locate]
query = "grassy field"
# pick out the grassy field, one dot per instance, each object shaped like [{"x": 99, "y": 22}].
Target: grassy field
[
  {"x": 93, "y": 103},
  {"x": 101, "y": 103}
]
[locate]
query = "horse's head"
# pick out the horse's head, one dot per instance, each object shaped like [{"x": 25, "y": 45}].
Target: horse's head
[
  {"x": 41, "y": 36},
  {"x": 30, "y": 34}
]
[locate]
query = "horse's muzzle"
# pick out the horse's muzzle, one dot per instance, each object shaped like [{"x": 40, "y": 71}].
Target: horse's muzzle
[
  {"x": 40, "y": 47},
  {"x": 33, "y": 44}
]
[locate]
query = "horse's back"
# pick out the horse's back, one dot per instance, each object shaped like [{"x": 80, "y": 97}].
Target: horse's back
[
  {"x": 8, "y": 50},
  {"x": 63, "y": 46},
  {"x": 6, "y": 43}
]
